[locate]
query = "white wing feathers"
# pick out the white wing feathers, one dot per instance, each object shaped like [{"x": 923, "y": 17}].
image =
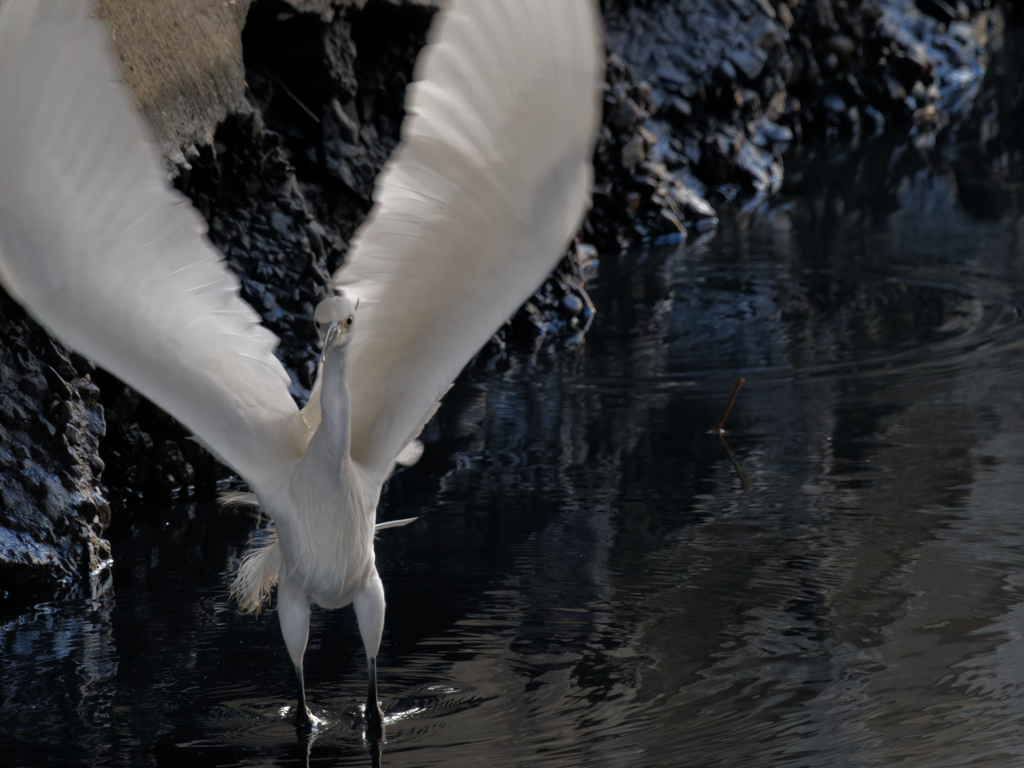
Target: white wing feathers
[
  {"x": 476, "y": 206},
  {"x": 111, "y": 260}
]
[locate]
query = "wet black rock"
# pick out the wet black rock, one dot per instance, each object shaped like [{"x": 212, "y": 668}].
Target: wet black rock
[
  {"x": 719, "y": 90},
  {"x": 52, "y": 513}
]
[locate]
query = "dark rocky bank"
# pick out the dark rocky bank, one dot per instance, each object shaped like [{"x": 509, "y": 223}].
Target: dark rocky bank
[{"x": 704, "y": 102}]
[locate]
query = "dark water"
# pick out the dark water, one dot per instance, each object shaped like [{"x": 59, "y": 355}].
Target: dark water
[{"x": 593, "y": 581}]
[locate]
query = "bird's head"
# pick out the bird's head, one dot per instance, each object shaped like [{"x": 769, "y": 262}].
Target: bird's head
[{"x": 334, "y": 319}]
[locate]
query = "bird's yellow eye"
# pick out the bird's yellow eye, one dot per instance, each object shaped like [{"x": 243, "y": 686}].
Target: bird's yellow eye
[{"x": 348, "y": 321}]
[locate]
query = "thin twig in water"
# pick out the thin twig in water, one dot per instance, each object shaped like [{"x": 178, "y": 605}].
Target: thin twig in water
[
  {"x": 728, "y": 406},
  {"x": 720, "y": 433}
]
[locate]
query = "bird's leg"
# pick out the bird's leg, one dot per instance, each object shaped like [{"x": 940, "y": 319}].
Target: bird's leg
[
  {"x": 303, "y": 717},
  {"x": 293, "y": 612},
  {"x": 374, "y": 717},
  {"x": 369, "y": 605}
]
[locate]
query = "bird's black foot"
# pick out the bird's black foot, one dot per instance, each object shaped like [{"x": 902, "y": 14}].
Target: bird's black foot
[{"x": 304, "y": 719}]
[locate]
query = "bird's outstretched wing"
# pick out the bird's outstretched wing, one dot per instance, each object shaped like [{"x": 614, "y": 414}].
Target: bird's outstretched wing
[
  {"x": 491, "y": 180},
  {"x": 112, "y": 261}
]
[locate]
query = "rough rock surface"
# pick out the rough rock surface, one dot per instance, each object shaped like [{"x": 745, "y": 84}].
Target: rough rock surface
[
  {"x": 52, "y": 515},
  {"x": 703, "y": 99},
  {"x": 183, "y": 61},
  {"x": 706, "y": 95}
]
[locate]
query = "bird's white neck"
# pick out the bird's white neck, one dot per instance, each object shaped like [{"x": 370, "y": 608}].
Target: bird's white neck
[{"x": 330, "y": 442}]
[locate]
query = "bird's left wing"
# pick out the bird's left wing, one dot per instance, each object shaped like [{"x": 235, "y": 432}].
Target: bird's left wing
[{"x": 111, "y": 260}]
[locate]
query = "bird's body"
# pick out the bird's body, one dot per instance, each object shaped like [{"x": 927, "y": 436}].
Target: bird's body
[
  {"x": 328, "y": 554},
  {"x": 328, "y": 550},
  {"x": 477, "y": 204}
]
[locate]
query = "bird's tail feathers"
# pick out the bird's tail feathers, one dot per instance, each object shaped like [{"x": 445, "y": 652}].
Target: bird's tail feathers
[
  {"x": 238, "y": 499},
  {"x": 257, "y": 574}
]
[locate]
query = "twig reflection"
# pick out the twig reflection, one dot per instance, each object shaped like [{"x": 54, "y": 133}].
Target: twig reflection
[{"x": 735, "y": 464}]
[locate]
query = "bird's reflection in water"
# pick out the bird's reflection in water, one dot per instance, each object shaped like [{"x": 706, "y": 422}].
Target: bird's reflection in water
[
  {"x": 376, "y": 750},
  {"x": 373, "y": 738}
]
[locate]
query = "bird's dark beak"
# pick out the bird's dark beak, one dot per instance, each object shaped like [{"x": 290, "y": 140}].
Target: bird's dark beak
[{"x": 331, "y": 335}]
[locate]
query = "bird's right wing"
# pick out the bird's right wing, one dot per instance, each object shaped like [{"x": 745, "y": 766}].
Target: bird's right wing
[
  {"x": 112, "y": 261},
  {"x": 475, "y": 208}
]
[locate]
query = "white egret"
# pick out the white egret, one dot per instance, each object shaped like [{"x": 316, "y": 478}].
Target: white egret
[{"x": 490, "y": 181}]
